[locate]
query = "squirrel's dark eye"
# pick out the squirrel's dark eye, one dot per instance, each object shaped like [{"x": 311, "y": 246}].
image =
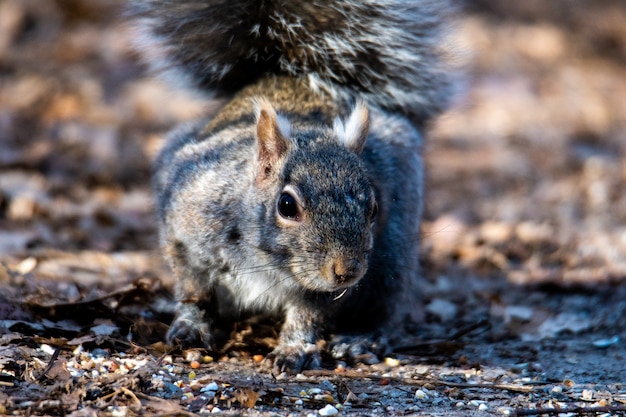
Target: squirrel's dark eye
[{"x": 287, "y": 206}]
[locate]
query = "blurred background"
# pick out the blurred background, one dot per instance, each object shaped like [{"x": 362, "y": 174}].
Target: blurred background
[{"x": 526, "y": 174}]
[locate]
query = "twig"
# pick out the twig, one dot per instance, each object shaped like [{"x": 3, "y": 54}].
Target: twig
[
  {"x": 169, "y": 408},
  {"x": 485, "y": 324},
  {"x": 452, "y": 342},
  {"x": 567, "y": 410},
  {"x": 136, "y": 407},
  {"x": 53, "y": 358},
  {"x": 419, "y": 382}
]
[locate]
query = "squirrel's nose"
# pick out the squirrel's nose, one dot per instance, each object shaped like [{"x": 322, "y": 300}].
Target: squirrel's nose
[{"x": 347, "y": 269}]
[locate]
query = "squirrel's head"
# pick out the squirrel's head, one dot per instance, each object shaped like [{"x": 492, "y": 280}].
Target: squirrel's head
[{"x": 320, "y": 202}]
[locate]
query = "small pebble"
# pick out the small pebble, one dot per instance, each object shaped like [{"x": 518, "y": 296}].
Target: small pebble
[
  {"x": 26, "y": 266},
  {"x": 172, "y": 390},
  {"x": 483, "y": 407},
  {"x": 420, "y": 395},
  {"x": 328, "y": 410},
  {"x": 326, "y": 385},
  {"x": 323, "y": 397},
  {"x": 117, "y": 411},
  {"x": 212, "y": 386},
  {"x": 605, "y": 343},
  {"x": 100, "y": 353},
  {"x": 47, "y": 349},
  {"x": 392, "y": 362},
  {"x": 422, "y": 370},
  {"x": 340, "y": 366},
  {"x": 192, "y": 355},
  {"x": 208, "y": 395}
]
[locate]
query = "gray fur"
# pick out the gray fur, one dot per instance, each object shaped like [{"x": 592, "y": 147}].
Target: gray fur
[
  {"x": 387, "y": 51},
  {"x": 324, "y": 262}
]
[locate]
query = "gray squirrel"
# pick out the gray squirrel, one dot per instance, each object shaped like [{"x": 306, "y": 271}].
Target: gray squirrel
[{"x": 302, "y": 196}]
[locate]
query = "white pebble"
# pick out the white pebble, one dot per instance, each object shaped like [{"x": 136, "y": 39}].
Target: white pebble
[
  {"x": 47, "y": 349},
  {"x": 420, "y": 395},
  {"x": 117, "y": 411},
  {"x": 216, "y": 410},
  {"x": 587, "y": 395},
  {"x": 604, "y": 343},
  {"x": 422, "y": 370},
  {"x": 328, "y": 410},
  {"x": 483, "y": 407},
  {"x": 393, "y": 362},
  {"x": 210, "y": 387}
]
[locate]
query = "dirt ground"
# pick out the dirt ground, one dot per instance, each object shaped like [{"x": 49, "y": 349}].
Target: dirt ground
[{"x": 524, "y": 238}]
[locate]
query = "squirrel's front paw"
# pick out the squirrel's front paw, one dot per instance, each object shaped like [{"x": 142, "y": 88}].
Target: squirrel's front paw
[
  {"x": 294, "y": 358},
  {"x": 187, "y": 333},
  {"x": 367, "y": 348}
]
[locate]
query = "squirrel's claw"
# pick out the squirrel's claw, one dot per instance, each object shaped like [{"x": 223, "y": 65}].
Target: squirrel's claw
[
  {"x": 294, "y": 358},
  {"x": 187, "y": 333}
]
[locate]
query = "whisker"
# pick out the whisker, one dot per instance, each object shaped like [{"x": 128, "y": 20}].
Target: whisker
[{"x": 340, "y": 295}]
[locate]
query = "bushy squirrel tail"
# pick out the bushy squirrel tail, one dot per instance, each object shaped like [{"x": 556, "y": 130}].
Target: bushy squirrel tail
[{"x": 387, "y": 51}]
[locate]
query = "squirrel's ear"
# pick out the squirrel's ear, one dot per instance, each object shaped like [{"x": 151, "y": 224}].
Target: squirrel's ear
[
  {"x": 354, "y": 133},
  {"x": 272, "y": 133}
]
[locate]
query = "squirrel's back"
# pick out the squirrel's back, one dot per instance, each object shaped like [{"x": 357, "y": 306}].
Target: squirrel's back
[{"x": 388, "y": 51}]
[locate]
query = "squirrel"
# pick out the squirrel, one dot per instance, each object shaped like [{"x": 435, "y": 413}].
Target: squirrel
[{"x": 302, "y": 196}]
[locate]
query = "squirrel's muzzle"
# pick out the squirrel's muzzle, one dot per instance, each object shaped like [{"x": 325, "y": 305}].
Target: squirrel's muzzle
[{"x": 345, "y": 271}]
